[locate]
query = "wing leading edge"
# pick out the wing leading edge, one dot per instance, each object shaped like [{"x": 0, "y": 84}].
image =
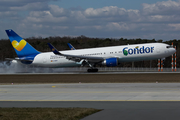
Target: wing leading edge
[{"x": 76, "y": 58}]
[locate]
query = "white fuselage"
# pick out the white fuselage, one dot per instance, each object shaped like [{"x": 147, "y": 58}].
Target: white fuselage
[{"x": 136, "y": 52}]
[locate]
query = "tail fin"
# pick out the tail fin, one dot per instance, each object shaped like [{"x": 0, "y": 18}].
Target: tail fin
[{"x": 23, "y": 49}]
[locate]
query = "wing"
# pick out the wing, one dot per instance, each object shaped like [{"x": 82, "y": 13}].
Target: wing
[{"x": 77, "y": 58}]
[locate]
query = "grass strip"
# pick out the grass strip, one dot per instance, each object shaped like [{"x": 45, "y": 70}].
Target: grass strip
[
  {"x": 45, "y": 113},
  {"x": 92, "y": 78}
]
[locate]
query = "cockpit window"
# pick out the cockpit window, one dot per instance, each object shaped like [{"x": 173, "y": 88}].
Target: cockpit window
[{"x": 170, "y": 46}]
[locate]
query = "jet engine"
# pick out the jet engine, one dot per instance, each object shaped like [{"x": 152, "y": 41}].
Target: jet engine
[{"x": 110, "y": 62}]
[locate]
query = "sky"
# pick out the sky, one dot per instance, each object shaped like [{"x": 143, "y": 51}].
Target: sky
[{"x": 131, "y": 19}]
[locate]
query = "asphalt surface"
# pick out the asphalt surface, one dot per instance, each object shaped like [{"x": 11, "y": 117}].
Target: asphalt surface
[
  {"x": 119, "y": 101},
  {"x": 117, "y": 110},
  {"x": 91, "y": 92}
]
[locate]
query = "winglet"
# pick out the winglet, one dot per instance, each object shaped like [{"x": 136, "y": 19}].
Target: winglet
[
  {"x": 54, "y": 50},
  {"x": 71, "y": 47}
]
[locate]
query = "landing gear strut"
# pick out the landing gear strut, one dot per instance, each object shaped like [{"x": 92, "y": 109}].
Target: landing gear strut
[
  {"x": 92, "y": 70},
  {"x": 92, "y": 67}
]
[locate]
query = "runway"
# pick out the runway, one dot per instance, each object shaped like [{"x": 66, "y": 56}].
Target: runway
[
  {"x": 91, "y": 92},
  {"x": 125, "y": 101}
]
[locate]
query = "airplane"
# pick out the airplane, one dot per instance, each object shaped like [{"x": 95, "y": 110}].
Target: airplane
[{"x": 107, "y": 56}]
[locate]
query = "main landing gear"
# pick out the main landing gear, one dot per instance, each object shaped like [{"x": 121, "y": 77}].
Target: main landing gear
[
  {"x": 92, "y": 67},
  {"x": 92, "y": 70}
]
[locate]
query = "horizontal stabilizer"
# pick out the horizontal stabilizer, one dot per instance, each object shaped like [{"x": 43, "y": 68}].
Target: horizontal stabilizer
[{"x": 18, "y": 59}]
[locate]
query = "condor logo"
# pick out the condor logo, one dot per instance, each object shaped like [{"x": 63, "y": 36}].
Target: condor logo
[{"x": 137, "y": 50}]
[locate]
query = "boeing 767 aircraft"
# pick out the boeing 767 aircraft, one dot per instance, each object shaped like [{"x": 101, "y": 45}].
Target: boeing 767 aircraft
[{"x": 108, "y": 56}]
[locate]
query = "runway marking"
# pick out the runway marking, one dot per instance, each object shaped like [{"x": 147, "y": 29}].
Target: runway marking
[
  {"x": 93, "y": 100},
  {"x": 2, "y": 91}
]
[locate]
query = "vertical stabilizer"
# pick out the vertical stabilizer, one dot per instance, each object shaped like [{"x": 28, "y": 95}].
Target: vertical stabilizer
[{"x": 23, "y": 49}]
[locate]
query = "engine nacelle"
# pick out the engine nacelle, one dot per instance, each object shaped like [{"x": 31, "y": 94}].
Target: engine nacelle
[{"x": 110, "y": 62}]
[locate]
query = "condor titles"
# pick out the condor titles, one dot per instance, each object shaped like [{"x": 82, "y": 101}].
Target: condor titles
[{"x": 137, "y": 50}]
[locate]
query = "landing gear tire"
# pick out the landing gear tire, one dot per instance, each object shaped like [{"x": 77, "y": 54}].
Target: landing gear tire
[{"x": 92, "y": 70}]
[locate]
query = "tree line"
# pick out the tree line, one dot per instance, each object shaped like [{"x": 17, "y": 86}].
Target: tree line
[{"x": 81, "y": 42}]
